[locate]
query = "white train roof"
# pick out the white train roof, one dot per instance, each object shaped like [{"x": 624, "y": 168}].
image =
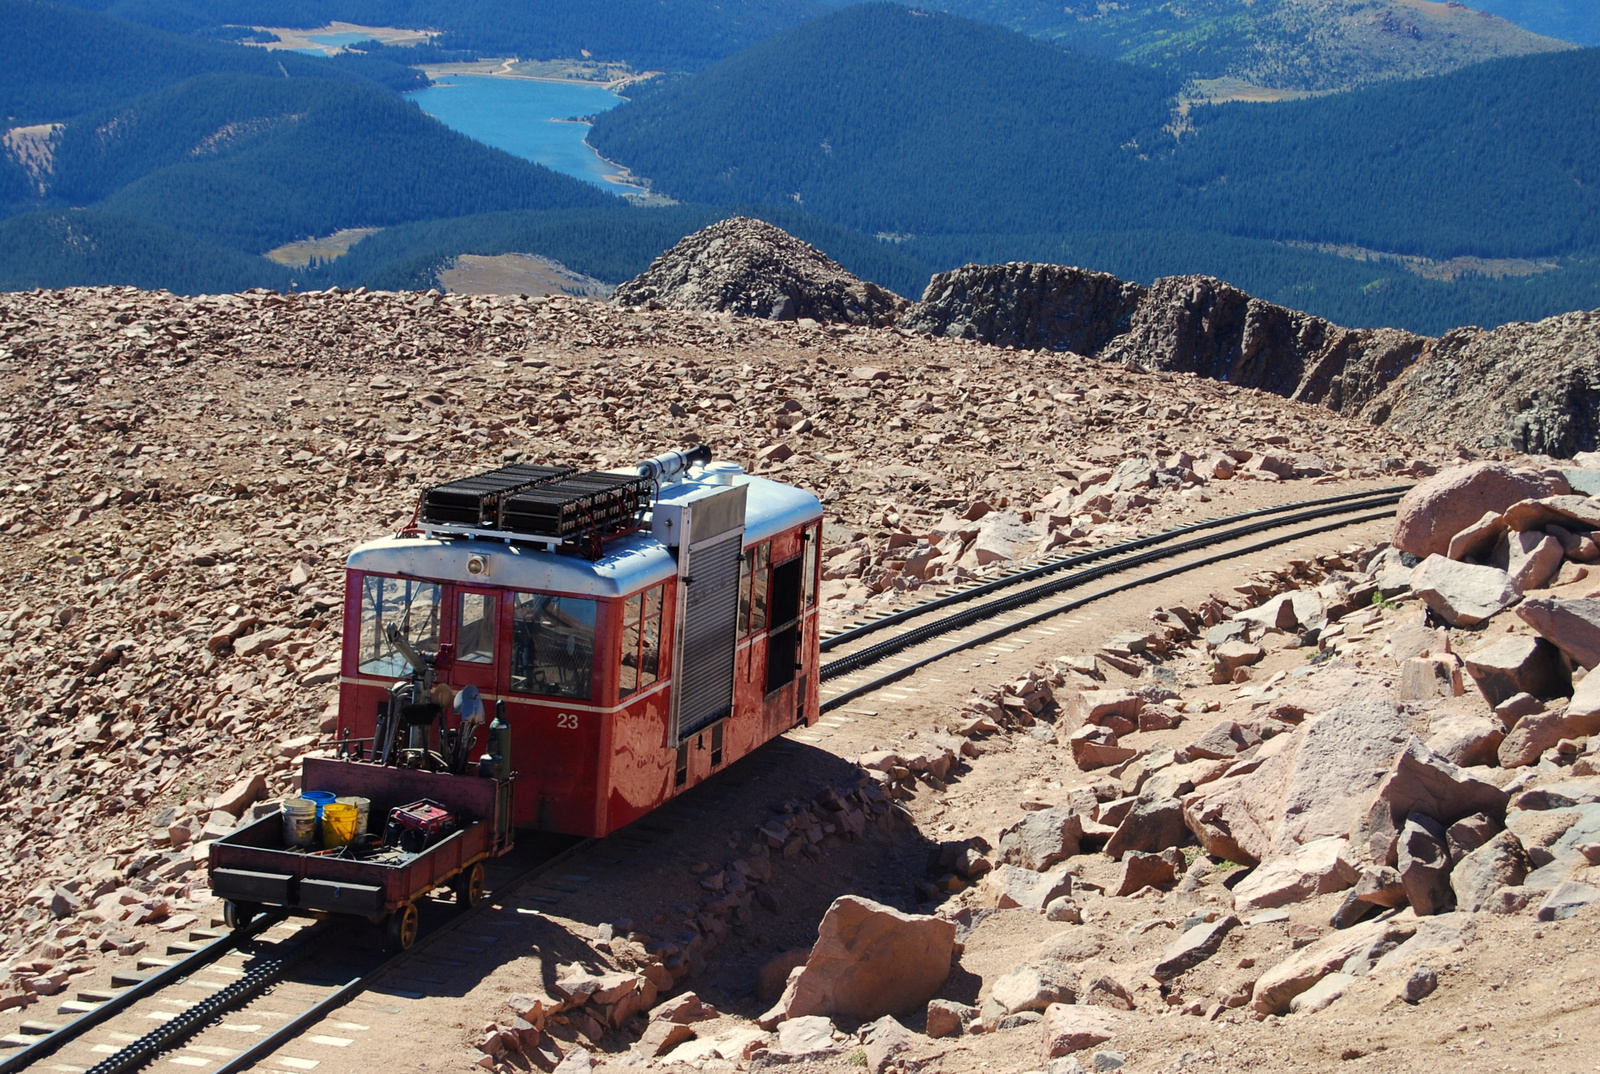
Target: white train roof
[{"x": 628, "y": 564}]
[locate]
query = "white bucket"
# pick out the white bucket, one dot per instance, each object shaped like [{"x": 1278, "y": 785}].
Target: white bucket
[
  {"x": 299, "y": 822},
  {"x": 363, "y": 809}
]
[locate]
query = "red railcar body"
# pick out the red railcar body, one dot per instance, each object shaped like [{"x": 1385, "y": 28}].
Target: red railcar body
[{"x": 630, "y": 669}]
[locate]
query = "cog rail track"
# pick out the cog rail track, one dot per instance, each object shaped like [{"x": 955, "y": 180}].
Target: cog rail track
[
  {"x": 854, "y": 632},
  {"x": 332, "y": 975},
  {"x": 1373, "y": 506}
]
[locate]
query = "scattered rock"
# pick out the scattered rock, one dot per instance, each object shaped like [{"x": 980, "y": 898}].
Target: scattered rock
[
  {"x": 1424, "y": 864},
  {"x": 871, "y": 960},
  {"x": 1072, "y": 1028},
  {"x": 1193, "y": 947},
  {"x": 1152, "y": 824},
  {"x": 1437, "y": 509},
  {"x": 1316, "y": 868},
  {"x": 1040, "y": 840},
  {"x": 1478, "y": 875},
  {"x": 1461, "y": 594},
  {"x": 1573, "y": 626}
]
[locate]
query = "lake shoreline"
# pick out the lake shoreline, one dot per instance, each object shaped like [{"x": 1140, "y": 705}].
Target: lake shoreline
[
  {"x": 532, "y": 116},
  {"x": 478, "y": 70}
]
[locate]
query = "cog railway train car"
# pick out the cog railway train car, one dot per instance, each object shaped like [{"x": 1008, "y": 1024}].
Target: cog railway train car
[{"x": 635, "y": 630}]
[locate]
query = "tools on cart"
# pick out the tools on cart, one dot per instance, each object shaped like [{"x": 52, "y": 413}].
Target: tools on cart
[{"x": 405, "y": 731}]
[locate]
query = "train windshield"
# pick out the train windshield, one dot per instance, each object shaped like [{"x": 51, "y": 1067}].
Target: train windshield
[
  {"x": 552, "y": 645},
  {"x": 412, "y": 606}
]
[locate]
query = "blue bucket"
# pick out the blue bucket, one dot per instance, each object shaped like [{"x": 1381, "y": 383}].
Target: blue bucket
[{"x": 322, "y": 798}]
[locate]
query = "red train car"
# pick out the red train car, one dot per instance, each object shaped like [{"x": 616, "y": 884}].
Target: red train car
[{"x": 637, "y": 630}]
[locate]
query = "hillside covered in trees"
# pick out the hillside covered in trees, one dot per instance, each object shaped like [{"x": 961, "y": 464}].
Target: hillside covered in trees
[
  {"x": 57, "y": 62},
  {"x": 969, "y": 142},
  {"x": 902, "y": 143},
  {"x": 223, "y": 148}
]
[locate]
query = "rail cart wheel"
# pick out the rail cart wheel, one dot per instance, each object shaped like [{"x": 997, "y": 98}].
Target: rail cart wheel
[
  {"x": 468, "y": 886},
  {"x": 236, "y": 915},
  {"x": 402, "y": 930}
]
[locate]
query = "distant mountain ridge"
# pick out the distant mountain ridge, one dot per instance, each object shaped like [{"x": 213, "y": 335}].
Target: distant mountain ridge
[
  {"x": 1297, "y": 45},
  {"x": 1523, "y": 387},
  {"x": 966, "y": 142}
]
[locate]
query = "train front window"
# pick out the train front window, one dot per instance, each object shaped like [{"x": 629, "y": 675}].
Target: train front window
[
  {"x": 475, "y": 628},
  {"x": 412, "y": 606},
  {"x": 552, "y": 645}
]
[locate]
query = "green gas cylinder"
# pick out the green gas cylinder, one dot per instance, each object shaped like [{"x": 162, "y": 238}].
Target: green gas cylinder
[{"x": 496, "y": 760}]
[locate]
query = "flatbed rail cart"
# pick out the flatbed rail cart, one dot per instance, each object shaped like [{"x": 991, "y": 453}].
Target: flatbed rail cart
[{"x": 253, "y": 869}]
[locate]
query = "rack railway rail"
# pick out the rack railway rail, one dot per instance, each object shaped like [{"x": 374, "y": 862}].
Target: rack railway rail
[
  {"x": 915, "y": 629},
  {"x": 307, "y": 977}
]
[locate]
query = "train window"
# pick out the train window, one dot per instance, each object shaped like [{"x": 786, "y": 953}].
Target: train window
[
  {"x": 783, "y": 643},
  {"x": 552, "y": 645},
  {"x": 412, "y": 606},
  {"x": 475, "y": 628},
  {"x": 812, "y": 552},
  {"x": 641, "y": 641},
  {"x": 761, "y": 554},
  {"x": 745, "y": 563}
]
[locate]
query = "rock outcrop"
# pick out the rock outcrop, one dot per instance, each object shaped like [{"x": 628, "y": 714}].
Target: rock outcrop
[
  {"x": 1195, "y": 324},
  {"x": 1199, "y": 324},
  {"x": 1027, "y": 305},
  {"x": 752, "y": 269},
  {"x": 1525, "y": 386}
]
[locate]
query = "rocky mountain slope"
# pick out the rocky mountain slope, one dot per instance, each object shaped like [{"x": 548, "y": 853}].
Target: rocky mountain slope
[
  {"x": 181, "y": 478},
  {"x": 1190, "y": 324},
  {"x": 751, "y": 268},
  {"x": 1524, "y": 387}
]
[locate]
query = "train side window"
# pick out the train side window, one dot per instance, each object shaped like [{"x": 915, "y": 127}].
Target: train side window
[
  {"x": 813, "y": 552},
  {"x": 784, "y": 640},
  {"x": 641, "y": 641},
  {"x": 628, "y": 673},
  {"x": 552, "y": 645},
  {"x": 475, "y": 628},
  {"x": 412, "y": 606},
  {"x": 746, "y": 561},
  {"x": 760, "y": 572}
]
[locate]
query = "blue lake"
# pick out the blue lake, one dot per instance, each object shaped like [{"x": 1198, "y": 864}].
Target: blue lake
[{"x": 518, "y": 115}]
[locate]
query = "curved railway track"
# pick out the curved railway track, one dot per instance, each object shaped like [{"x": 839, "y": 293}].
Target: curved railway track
[
  {"x": 1022, "y": 598},
  {"x": 211, "y": 1008}
]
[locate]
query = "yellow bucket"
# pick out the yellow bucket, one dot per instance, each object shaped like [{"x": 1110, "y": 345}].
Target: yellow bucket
[{"x": 339, "y": 821}]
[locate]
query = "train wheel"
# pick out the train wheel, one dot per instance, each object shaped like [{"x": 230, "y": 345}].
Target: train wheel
[
  {"x": 468, "y": 886},
  {"x": 236, "y": 915},
  {"x": 402, "y": 930}
]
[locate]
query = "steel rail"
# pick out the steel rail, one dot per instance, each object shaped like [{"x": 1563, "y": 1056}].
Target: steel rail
[
  {"x": 850, "y": 634},
  {"x": 48, "y": 1045},
  {"x": 1001, "y": 632},
  {"x": 917, "y": 635},
  {"x": 356, "y": 985},
  {"x": 169, "y": 1034}
]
